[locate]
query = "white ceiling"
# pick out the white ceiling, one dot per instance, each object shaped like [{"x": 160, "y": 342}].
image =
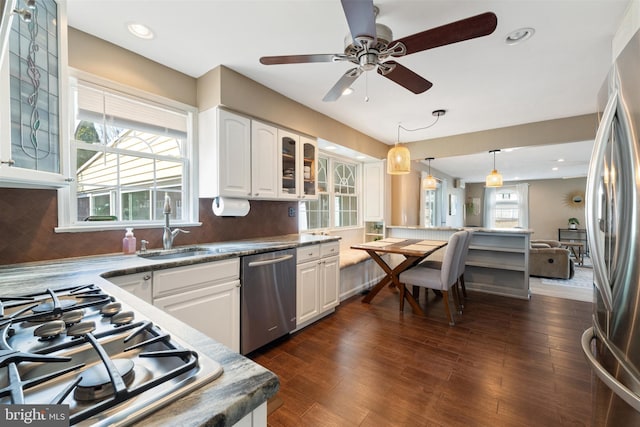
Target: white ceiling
[{"x": 482, "y": 83}]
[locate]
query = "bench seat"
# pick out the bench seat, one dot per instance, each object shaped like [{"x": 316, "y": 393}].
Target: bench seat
[{"x": 349, "y": 257}]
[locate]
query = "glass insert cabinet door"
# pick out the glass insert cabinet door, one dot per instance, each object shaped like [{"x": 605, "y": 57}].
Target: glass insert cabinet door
[
  {"x": 31, "y": 75},
  {"x": 297, "y": 166}
]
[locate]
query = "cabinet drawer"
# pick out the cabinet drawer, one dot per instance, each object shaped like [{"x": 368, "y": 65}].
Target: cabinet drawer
[
  {"x": 179, "y": 279},
  {"x": 329, "y": 249},
  {"x": 307, "y": 253}
]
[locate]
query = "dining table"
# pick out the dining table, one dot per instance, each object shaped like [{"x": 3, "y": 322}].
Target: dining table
[{"x": 414, "y": 252}]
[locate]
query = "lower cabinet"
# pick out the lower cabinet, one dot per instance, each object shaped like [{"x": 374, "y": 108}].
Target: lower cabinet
[
  {"x": 138, "y": 284},
  {"x": 205, "y": 296},
  {"x": 318, "y": 282}
]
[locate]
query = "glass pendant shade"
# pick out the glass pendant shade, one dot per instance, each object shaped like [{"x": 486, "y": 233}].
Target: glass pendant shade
[
  {"x": 494, "y": 179},
  {"x": 429, "y": 183},
  {"x": 398, "y": 161}
]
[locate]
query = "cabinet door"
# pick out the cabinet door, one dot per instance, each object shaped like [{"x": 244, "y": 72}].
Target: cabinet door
[
  {"x": 373, "y": 180},
  {"x": 213, "y": 310},
  {"x": 234, "y": 136},
  {"x": 139, "y": 284},
  {"x": 30, "y": 132},
  {"x": 308, "y": 170},
  {"x": 264, "y": 161},
  {"x": 329, "y": 283},
  {"x": 308, "y": 282},
  {"x": 288, "y": 168}
]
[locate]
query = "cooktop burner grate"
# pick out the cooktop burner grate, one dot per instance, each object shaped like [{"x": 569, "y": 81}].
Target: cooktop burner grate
[{"x": 94, "y": 365}]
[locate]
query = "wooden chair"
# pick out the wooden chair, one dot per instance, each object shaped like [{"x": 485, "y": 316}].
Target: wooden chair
[{"x": 441, "y": 279}]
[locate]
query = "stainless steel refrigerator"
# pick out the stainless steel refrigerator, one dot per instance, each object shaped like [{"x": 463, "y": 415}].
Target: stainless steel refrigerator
[{"x": 612, "y": 344}]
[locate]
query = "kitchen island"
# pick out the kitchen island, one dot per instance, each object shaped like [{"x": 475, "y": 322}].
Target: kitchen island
[
  {"x": 243, "y": 387},
  {"x": 498, "y": 259}
]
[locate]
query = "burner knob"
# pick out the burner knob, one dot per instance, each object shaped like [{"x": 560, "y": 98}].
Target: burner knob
[
  {"x": 71, "y": 317},
  {"x": 80, "y": 329},
  {"x": 111, "y": 309},
  {"x": 50, "y": 329},
  {"x": 122, "y": 318}
]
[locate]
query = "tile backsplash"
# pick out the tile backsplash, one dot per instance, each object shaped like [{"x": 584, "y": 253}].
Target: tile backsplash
[{"x": 28, "y": 219}]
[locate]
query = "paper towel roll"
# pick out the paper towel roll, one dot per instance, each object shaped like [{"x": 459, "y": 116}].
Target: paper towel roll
[{"x": 224, "y": 206}]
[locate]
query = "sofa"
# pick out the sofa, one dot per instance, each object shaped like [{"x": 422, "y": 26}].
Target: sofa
[{"x": 548, "y": 259}]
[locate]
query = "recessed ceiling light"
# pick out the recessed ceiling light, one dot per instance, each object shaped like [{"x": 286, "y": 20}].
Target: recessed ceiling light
[
  {"x": 560, "y": 160},
  {"x": 519, "y": 35},
  {"x": 554, "y": 169},
  {"x": 140, "y": 30}
]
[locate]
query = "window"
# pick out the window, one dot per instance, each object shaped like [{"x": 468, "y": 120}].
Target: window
[
  {"x": 432, "y": 202},
  {"x": 507, "y": 206},
  {"x": 338, "y": 198},
  {"x": 126, "y": 153}
]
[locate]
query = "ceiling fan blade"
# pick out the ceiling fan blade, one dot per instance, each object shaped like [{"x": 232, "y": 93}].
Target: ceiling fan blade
[
  {"x": 345, "y": 81},
  {"x": 465, "y": 29},
  {"x": 405, "y": 77},
  {"x": 302, "y": 59},
  {"x": 361, "y": 18}
]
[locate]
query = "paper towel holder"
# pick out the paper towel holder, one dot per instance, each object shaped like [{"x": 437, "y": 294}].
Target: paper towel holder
[{"x": 225, "y": 206}]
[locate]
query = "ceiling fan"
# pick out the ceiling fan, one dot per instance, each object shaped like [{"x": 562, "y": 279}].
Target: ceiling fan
[{"x": 370, "y": 45}]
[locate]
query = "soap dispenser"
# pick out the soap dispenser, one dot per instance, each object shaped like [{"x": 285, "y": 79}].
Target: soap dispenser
[{"x": 129, "y": 242}]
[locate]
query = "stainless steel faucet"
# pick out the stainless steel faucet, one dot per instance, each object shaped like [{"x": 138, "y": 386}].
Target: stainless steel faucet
[{"x": 168, "y": 235}]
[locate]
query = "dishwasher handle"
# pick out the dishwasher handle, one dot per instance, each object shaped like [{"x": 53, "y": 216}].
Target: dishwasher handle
[{"x": 269, "y": 261}]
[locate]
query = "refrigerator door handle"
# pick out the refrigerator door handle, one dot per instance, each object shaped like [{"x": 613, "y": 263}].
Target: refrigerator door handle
[
  {"x": 605, "y": 129},
  {"x": 623, "y": 392}
]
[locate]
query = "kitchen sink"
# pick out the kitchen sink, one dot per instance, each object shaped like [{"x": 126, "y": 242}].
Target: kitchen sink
[{"x": 181, "y": 253}]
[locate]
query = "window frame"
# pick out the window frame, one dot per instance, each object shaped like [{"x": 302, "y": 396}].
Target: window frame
[
  {"x": 331, "y": 159},
  {"x": 67, "y": 222}
]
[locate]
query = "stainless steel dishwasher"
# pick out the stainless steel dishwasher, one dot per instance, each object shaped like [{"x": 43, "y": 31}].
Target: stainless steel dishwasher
[{"x": 268, "y": 295}]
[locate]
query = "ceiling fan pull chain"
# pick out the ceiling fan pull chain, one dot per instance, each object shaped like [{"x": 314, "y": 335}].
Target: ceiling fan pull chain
[{"x": 366, "y": 87}]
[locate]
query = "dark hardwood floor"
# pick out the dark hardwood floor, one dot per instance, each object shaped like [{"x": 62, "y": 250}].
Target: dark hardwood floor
[{"x": 506, "y": 362}]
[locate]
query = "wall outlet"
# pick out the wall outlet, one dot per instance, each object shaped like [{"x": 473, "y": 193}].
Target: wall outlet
[{"x": 292, "y": 212}]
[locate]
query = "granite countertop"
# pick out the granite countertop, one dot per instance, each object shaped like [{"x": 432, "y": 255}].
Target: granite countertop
[{"x": 244, "y": 384}]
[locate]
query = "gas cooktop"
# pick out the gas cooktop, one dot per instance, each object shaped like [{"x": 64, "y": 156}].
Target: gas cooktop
[{"x": 80, "y": 347}]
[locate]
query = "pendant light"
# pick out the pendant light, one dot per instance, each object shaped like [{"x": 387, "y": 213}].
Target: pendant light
[
  {"x": 494, "y": 179},
  {"x": 429, "y": 182},
  {"x": 398, "y": 159}
]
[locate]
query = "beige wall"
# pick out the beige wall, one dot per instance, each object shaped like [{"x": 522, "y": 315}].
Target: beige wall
[
  {"x": 101, "y": 58},
  {"x": 548, "y": 209},
  {"x": 237, "y": 92},
  {"x": 558, "y": 131}
]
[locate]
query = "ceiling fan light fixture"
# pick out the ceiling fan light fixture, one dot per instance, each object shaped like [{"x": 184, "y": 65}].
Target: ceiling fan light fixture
[
  {"x": 519, "y": 35},
  {"x": 347, "y": 91},
  {"x": 494, "y": 179}
]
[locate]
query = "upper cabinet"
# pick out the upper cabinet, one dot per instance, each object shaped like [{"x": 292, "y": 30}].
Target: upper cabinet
[
  {"x": 297, "y": 166},
  {"x": 32, "y": 74},
  {"x": 225, "y": 154},
  {"x": 245, "y": 158},
  {"x": 374, "y": 189}
]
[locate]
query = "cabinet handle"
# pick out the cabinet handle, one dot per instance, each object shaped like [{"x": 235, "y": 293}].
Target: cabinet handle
[
  {"x": 9, "y": 162},
  {"x": 69, "y": 179},
  {"x": 146, "y": 277}
]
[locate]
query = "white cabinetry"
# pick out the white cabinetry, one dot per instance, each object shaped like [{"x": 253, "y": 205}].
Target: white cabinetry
[
  {"x": 31, "y": 150},
  {"x": 225, "y": 154},
  {"x": 264, "y": 161},
  {"x": 373, "y": 176},
  {"x": 297, "y": 166},
  {"x": 205, "y": 296},
  {"x": 318, "y": 282},
  {"x": 138, "y": 284}
]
